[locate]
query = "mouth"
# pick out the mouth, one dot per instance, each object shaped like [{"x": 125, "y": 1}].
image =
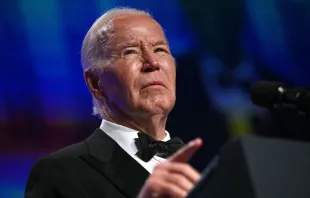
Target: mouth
[{"x": 154, "y": 83}]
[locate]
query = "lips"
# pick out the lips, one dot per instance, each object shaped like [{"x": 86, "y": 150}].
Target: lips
[{"x": 154, "y": 83}]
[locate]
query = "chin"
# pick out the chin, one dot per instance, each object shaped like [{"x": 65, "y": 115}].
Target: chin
[{"x": 158, "y": 105}]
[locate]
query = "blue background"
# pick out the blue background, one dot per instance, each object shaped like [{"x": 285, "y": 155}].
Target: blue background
[{"x": 222, "y": 47}]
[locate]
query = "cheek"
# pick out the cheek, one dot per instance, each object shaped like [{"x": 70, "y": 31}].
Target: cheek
[
  {"x": 111, "y": 85},
  {"x": 127, "y": 76},
  {"x": 118, "y": 89},
  {"x": 170, "y": 70}
]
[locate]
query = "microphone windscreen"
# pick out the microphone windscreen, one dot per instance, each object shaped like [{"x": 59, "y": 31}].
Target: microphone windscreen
[{"x": 265, "y": 93}]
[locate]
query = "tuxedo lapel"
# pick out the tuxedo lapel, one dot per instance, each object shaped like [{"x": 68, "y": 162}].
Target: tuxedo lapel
[{"x": 107, "y": 157}]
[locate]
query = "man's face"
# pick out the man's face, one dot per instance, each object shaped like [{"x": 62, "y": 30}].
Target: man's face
[{"x": 141, "y": 78}]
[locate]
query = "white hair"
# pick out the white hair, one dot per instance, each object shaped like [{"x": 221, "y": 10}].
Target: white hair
[{"x": 95, "y": 44}]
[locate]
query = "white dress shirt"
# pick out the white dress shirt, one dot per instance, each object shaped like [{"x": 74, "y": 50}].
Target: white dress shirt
[{"x": 124, "y": 137}]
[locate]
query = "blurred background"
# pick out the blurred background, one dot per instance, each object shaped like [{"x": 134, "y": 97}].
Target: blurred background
[{"x": 222, "y": 47}]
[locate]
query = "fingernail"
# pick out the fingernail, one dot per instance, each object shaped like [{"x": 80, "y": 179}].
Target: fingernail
[{"x": 192, "y": 143}]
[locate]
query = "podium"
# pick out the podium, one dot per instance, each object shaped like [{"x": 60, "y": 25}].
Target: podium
[{"x": 257, "y": 167}]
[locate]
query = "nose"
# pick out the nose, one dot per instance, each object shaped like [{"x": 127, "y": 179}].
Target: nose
[{"x": 150, "y": 62}]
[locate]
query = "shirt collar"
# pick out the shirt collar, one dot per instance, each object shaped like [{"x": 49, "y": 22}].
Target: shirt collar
[{"x": 124, "y": 136}]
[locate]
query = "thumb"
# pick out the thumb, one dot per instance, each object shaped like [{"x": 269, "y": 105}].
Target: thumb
[{"x": 187, "y": 151}]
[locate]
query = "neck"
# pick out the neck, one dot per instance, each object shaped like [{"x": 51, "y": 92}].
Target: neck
[{"x": 153, "y": 125}]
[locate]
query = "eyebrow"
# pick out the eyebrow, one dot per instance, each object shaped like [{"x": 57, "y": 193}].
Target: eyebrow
[
  {"x": 126, "y": 45},
  {"x": 161, "y": 42},
  {"x": 136, "y": 44}
]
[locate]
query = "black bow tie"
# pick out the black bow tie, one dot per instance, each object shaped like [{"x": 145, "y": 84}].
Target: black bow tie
[{"x": 148, "y": 147}]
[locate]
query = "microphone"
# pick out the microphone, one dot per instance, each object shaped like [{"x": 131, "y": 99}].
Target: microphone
[{"x": 277, "y": 95}]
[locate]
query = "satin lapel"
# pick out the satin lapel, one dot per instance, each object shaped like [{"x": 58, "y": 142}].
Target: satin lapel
[{"x": 107, "y": 157}]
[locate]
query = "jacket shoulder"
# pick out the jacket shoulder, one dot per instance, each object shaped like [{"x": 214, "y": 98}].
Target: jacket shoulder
[
  {"x": 53, "y": 175},
  {"x": 73, "y": 150}
]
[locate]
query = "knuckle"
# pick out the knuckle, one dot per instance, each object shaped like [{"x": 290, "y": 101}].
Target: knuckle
[
  {"x": 177, "y": 179},
  {"x": 160, "y": 166},
  {"x": 187, "y": 168},
  {"x": 154, "y": 184},
  {"x": 157, "y": 175},
  {"x": 157, "y": 167},
  {"x": 175, "y": 192}
]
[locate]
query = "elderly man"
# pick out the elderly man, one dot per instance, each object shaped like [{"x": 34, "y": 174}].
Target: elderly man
[{"x": 131, "y": 74}]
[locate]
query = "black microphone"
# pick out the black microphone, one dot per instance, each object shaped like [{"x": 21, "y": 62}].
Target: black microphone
[{"x": 277, "y": 95}]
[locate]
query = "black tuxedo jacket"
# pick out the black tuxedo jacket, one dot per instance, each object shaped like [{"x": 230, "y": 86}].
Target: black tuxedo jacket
[{"x": 95, "y": 168}]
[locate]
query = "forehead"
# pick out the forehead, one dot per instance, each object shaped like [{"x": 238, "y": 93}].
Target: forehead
[{"x": 137, "y": 28}]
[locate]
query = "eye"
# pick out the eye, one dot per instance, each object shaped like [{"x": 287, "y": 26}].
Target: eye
[
  {"x": 160, "y": 49},
  {"x": 130, "y": 51}
]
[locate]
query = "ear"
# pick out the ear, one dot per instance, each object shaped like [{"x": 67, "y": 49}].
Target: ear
[{"x": 93, "y": 83}]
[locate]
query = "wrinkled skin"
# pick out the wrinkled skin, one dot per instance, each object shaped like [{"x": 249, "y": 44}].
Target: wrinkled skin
[{"x": 140, "y": 55}]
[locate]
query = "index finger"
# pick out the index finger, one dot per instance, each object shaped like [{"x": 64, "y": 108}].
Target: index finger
[{"x": 187, "y": 151}]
